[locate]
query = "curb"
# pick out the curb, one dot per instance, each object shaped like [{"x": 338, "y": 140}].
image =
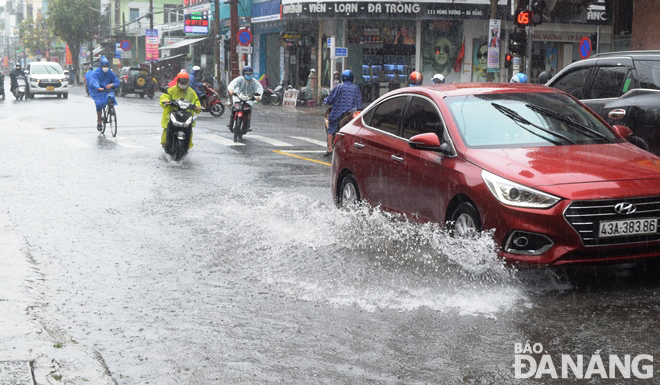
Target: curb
[{"x": 32, "y": 349}]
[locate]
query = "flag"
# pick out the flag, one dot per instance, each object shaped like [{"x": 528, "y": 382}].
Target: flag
[{"x": 459, "y": 59}]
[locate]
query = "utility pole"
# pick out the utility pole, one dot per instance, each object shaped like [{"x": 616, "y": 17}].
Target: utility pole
[
  {"x": 233, "y": 54},
  {"x": 528, "y": 59},
  {"x": 151, "y": 15},
  {"x": 216, "y": 40}
]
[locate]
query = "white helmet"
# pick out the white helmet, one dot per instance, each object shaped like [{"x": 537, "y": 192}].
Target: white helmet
[
  {"x": 438, "y": 79},
  {"x": 196, "y": 68}
]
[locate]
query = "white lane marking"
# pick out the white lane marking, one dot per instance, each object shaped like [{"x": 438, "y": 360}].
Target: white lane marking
[
  {"x": 75, "y": 142},
  {"x": 125, "y": 142},
  {"x": 221, "y": 139},
  {"x": 271, "y": 141},
  {"x": 310, "y": 140}
]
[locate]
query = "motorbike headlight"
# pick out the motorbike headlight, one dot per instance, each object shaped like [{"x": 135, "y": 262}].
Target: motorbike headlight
[{"x": 514, "y": 194}]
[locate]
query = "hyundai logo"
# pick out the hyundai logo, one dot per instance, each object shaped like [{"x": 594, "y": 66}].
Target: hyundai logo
[{"x": 625, "y": 208}]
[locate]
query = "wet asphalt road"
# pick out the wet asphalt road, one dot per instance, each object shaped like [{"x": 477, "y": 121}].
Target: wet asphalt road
[{"x": 233, "y": 266}]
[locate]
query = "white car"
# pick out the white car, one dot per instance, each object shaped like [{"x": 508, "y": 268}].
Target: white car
[{"x": 47, "y": 78}]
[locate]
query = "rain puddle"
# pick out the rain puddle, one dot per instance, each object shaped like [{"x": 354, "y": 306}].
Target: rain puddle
[{"x": 361, "y": 257}]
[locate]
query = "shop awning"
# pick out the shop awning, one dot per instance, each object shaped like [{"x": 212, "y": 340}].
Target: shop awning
[
  {"x": 182, "y": 43},
  {"x": 97, "y": 50},
  {"x": 171, "y": 57}
]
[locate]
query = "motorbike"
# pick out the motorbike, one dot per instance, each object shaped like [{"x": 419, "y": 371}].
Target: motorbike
[
  {"x": 2, "y": 85},
  {"x": 240, "y": 111},
  {"x": 273, "y": 96},
  {"x": 179, "y": 128},
  {"x": 19, "y": 91},
  {"x": 211, "y": 102}
]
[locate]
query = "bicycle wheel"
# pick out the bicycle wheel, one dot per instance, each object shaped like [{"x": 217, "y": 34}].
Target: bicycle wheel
[
  {"x": 104, "y": 121},
  {"x": 112, "y": 120}
]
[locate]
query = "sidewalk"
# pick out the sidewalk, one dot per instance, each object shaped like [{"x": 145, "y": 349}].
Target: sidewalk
[{"x": 32, "y": 349}]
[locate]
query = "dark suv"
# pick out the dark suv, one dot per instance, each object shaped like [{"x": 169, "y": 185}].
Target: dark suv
[
  {"x": 622, "y": 87},
  {"x": 136, "y": 80}
]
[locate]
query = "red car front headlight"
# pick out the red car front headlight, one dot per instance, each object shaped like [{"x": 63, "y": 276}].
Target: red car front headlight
[{"x": 514, "y": 194}]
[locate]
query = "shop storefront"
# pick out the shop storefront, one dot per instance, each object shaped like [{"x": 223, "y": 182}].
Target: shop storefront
[
  {"x": 556, "y": 44},
  {"x": 268, "y": 57},
  {"x": 386, "y": 41}
]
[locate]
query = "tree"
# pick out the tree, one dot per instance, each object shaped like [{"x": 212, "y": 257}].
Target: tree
[
  {"x": 75, "y": 22},
  {"x": 36, "y": 36}
]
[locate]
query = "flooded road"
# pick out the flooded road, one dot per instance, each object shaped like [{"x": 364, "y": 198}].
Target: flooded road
[{"x": 234, "y": 266}]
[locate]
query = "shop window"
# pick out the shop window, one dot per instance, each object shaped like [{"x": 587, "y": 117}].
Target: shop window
[
  {"x": 134, "y": 13},
  {"x": 608, "y": 83},
  {"x": 573, "y": 82},
  {"x": 422, "y": 117},
  {"x": 387, "y": 115}
]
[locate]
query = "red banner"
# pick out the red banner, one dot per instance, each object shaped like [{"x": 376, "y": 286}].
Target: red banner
[{"x": 69, "y": 57}]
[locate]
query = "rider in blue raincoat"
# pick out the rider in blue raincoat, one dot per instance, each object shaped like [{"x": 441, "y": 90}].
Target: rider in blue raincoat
[
  {"x": 88, "y": 78},
  {"x": 102, "y": 79}
]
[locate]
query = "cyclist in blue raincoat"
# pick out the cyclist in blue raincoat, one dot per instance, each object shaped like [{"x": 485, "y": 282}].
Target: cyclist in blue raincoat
[{"x": 102, "y": 79}]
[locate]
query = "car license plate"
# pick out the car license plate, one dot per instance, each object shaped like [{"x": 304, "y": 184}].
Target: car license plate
[
  {"x": 628, "y": 227},
  {"x": 50, "y": 88}
]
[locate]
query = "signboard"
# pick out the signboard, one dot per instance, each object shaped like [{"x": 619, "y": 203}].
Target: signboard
[
  {"x": 341, "y": 52},
  {"x": 585, "y": 47},
  {"x": 291, "y": 36},
  {"x": 493, "y": 64},
  {"x": 290, "y": 98},
  {"x": 242, "y": 49},
  {"x": 117, "y": 51},
  {"x": 244, "y": 37},
  {"x": 125, "y": 45},
  {"x": 151, "y": 43},
  {"x": 171, "y": 40},
  {"x": 196, "y": 22},
  {"x": 126, "y": 55},
  {"x": 421, "y": 9}
]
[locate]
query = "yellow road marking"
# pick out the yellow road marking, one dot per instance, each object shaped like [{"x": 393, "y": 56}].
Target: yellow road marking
[{"x": 302, "y": 157}]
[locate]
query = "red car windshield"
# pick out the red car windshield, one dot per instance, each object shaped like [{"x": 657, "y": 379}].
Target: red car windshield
[{"x": 525, "y": 120}]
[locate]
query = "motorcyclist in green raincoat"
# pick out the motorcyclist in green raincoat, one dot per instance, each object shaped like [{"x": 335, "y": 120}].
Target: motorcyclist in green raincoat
[{"x": 180, "y": 91}]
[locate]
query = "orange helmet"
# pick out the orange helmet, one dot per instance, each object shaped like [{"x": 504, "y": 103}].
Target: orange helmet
[
  {"x": 416, "y": 78},
  {"x": 183, "y": 75}
]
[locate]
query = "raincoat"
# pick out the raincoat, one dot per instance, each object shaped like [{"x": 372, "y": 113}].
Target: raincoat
[
  {"x": 88, "y": 77},
  {"x": 175, "y": 93},
  {"x": 343, "y": 98},
  {"x": 100, "y": 79},
  {"x": 240, "y": 85}
]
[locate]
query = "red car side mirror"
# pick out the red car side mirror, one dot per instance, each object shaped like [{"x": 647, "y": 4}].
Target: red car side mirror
[
  {"x": 428, "y": 141},
  {"x": 623, "y": 131}
]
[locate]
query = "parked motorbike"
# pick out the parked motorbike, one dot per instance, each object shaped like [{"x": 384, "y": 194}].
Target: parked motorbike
[
  {"x": 274, "y": 96},
  {"x": 2, "y": 85},
  {"x": 211, "y": 102},
  {"x": 179, "y": 128},
  {"x": 240, "y": 111},
  {"x": 19, "y": 91}
]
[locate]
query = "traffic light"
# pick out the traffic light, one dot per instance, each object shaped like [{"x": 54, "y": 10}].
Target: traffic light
[
  {"x": 507, "y": 60},
  {"x": 518, "y": 42},
  {"x": 538, "y": 7},
  {"x": 523, "y": 18}
]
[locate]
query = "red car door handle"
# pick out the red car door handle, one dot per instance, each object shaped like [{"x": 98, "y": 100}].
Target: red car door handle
[
  {"x": 397, "y": 158},
  {"x": 359, "y": 145}
]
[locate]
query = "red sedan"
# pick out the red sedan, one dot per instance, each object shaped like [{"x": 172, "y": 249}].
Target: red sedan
[{"x": 555, "y": 182}]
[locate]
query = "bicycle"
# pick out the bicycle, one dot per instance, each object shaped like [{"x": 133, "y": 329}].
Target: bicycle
[{"x": 109, "y": 115}]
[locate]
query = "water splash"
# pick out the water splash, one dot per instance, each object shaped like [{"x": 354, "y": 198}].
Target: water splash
[{"x": 358, "y": 257}]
